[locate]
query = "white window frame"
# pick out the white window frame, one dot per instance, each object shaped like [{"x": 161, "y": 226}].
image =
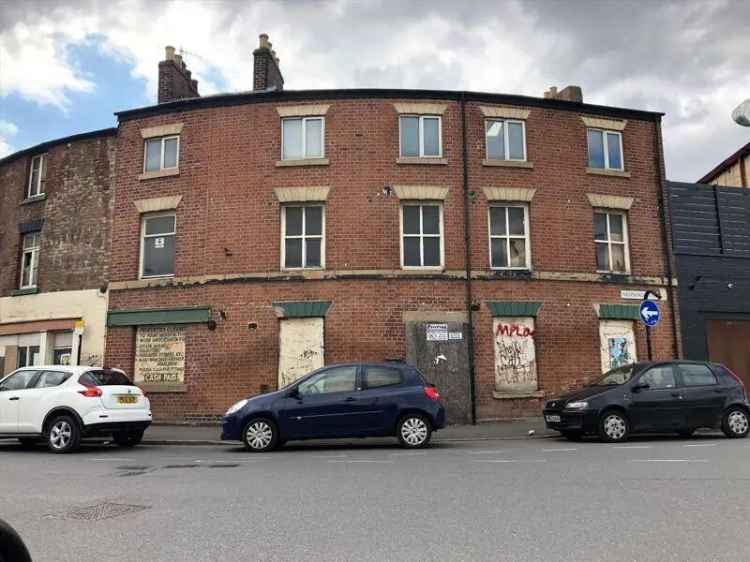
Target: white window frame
[
  {"x": 304, "y": 120},
  {"x": 144, "y": 218},
  {"x": 304, "y": 237},
  {"x": 506, "y": 141},
  {"x": 27, "y": 347},
  {"x": 163, "y": 141},
  {"x": 34, "y": 251},
  {"x": 441, "y": 235},
  {"x": 526, "y": 236},
  {"x": 625, "y": 243},
  {"x": 420, "y": 134},
  {"x": 605, "y": 147},
  {"x": 35, "y": 190}
]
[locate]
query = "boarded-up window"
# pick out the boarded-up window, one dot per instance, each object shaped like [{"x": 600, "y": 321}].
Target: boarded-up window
[
  {"x": 515, "y": 355},
  {"x": 617, "y": 340},
  {"x": 160, "y": 355},
  {"x": 300, "y": 348}
]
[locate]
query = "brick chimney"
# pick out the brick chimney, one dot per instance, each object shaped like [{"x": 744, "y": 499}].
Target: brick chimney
[
  {"x": 266, "y": 72},
  {"x": 569, "y": 93},
  {"x": 175, "y": 80}
]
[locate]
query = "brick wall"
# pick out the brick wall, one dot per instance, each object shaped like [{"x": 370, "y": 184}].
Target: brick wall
[
  {"x": 228, "y": 223},
  {"x": 76, "y": 213}
]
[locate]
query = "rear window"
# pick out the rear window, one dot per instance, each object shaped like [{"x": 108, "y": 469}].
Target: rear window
[
  {"x": 382, "y": 376},
  {"x": 105, "y": 378},
  {"x": 697, "y": 375}
]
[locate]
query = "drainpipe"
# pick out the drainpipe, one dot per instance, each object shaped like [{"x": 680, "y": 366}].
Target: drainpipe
[
  {"x": 467, "y": 259},
  {"x": 664, "y": 214}
]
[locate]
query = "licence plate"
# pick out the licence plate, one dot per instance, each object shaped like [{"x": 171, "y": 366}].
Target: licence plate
[
  {"x": 127, "y": 399},
  {"x": 553, "y": 419}
]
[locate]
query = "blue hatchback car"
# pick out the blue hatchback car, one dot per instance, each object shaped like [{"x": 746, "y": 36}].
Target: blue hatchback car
[{"x": 346, "y": 400}]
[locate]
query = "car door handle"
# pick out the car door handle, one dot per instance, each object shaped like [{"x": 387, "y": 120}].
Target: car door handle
[
  {"x": 350, "y": 399},
  {"x": 14, "y": 398},
  {"x": 677, "y": 395}
]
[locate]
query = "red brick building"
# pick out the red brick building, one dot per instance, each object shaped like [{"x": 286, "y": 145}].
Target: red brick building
[
  {"x": 494, "y": 240},
  {"x": 56, "y": 203}
]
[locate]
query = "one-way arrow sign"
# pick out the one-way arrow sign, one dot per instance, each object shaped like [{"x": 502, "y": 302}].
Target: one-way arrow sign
[{"x": 649, "y": 312}]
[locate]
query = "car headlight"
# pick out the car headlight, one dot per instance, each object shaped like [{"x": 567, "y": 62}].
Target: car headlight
[
  {"x": 236, "y": 407},
  {"x": 580, "y": 405}
]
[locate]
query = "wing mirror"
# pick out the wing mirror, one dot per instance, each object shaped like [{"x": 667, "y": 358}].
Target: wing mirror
[
  {"x": 294, "y": 393},
  {"x": 640, "y": 386}
]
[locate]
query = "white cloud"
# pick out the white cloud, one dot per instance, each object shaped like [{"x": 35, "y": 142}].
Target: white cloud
[
  {"x": 684, "y": 58},
  {"x": 7, "y": 130}
]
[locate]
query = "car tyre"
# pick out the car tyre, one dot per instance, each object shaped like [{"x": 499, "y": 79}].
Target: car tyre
[
  {"x": 127, "y": 439},
  {"x": 28, "y": 441},
  {"x": 12, "y": 547},
  {"x": 260, "y": 435},
  {"x": 414, "y": 431},
  {"x": 736, "y": 423},
  {"x": 63, "y": 434},
  {"x": 613, "y": 426}
]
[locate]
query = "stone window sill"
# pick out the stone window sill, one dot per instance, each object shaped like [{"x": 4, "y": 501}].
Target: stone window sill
[
  {"x": 35, "y": 199},
  {"x": 417, "y": 160},
  {"x": 27, "y": 291},
  {"x": 162, "y": 388},
  {"x": 303, "y": 162},
  {"x": 605, "y": 172},
  {"x": 159, "y": 174},
  {"x": 514, "y": 396},
  {"x": 508, "y": 163}
]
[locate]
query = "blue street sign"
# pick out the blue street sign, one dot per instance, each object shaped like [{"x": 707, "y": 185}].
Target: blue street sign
[{"x": 649, "y": 313}]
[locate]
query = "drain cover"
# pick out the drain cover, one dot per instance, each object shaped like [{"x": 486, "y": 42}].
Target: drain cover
[{"x": 99, "y": 512}]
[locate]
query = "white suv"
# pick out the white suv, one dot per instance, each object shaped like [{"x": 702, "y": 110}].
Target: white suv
[{"x": 61, "y": 405}]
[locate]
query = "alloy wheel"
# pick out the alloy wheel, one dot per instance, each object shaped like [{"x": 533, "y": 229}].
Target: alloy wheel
[
  {"x": 615, "y": 427},
  {"x": 60, "y": 434},
  {"x": 259, "y": 435},
  {"x": 737, "y": 422},
  {"x": 414, "y": 431}
]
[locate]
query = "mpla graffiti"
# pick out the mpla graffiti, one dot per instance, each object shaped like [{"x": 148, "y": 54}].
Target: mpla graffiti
[{"x": 514, "y": 330}]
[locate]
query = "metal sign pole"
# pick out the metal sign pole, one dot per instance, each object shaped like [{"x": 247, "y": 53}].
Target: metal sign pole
[{"x": 648, "y": 343}]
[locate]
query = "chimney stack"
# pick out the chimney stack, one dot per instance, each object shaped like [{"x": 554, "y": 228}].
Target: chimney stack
[
  {"x": 266, "y": 71},
  {"x": 175, "y": 80},
  {"x": 569, "y": 93}
]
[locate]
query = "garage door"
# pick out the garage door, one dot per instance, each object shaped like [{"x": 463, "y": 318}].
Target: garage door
[{"x": 729, "y": 343}]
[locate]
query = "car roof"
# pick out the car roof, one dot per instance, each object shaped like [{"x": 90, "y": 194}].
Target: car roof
[
  {"x": 391, "y": 364},
  {"x": 75, "y": 369}
]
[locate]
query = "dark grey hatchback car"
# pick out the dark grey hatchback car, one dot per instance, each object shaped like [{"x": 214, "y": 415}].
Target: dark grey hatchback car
[{"x": 656, "y": 397}]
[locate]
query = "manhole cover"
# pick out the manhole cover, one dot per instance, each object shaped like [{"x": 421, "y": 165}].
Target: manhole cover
[{"x": 99, "y": 512}]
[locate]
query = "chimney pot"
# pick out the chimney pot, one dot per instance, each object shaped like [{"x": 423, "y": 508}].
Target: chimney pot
[
  {"x": 263, "y": 41},
  {"x": 266, "y": 72},
  {"x": 168, "y": 52}
]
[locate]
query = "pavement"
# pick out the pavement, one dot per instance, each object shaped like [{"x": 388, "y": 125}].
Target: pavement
[
  {"x": 164, "y": 434},
  {"x": 519, "y": 499}
]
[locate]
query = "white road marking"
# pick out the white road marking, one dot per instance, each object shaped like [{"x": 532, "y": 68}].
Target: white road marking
[
  {"x": 702, "y": 445},
  {"x": 510, "y": 460},
  {"x": 361, "y": 461},
  {"x": 670, "y": 460},
  {"x": 557, "y": 450}
]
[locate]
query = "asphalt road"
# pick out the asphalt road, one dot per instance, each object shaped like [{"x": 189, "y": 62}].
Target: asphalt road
[{"x": 530, "y": 499}]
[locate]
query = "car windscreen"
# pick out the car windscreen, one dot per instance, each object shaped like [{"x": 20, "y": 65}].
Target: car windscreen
[
  {"x": 617, "y": 376},
  {"x": 104, "y": 378}
]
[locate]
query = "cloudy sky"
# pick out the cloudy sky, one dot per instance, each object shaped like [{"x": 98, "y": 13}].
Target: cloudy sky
[{"x": 66, "y": 67}]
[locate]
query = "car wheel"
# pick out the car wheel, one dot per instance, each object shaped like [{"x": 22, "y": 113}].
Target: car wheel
[
  {"x": 63, "y": 435},
  {"x": 28, "y": 441},
  {"x": 735, "y": 424},
  {"x": 12, "y": 547},
  {"x": 572, "y": 436},
  {"x": 128, "y": 438},
  {"x": 260, "y": 435},
  {"x": 413, "y": 431},
  {"x": 613, "y": 427}
]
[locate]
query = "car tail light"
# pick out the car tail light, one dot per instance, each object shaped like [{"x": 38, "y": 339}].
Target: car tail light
[
  {"x": 431, "y": 393},
  {"x": 91, "y": 392},
  {"x": 735, "y": 377}
]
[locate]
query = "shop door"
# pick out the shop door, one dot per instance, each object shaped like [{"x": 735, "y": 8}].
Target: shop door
[
  {"x": 729, "y": 343},
  {"x": 440, "y": 351}
]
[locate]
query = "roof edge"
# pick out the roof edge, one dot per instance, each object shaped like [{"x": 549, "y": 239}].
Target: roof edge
[
  {"x": 50, "y": 143},
  {"x": 744, "y": 150},
  {"x": 223, "y": 100}
]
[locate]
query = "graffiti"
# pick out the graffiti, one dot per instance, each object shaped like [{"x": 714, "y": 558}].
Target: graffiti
[
  {"x": 619, "y": 352},
  {"x": 515, "y": 355}
]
